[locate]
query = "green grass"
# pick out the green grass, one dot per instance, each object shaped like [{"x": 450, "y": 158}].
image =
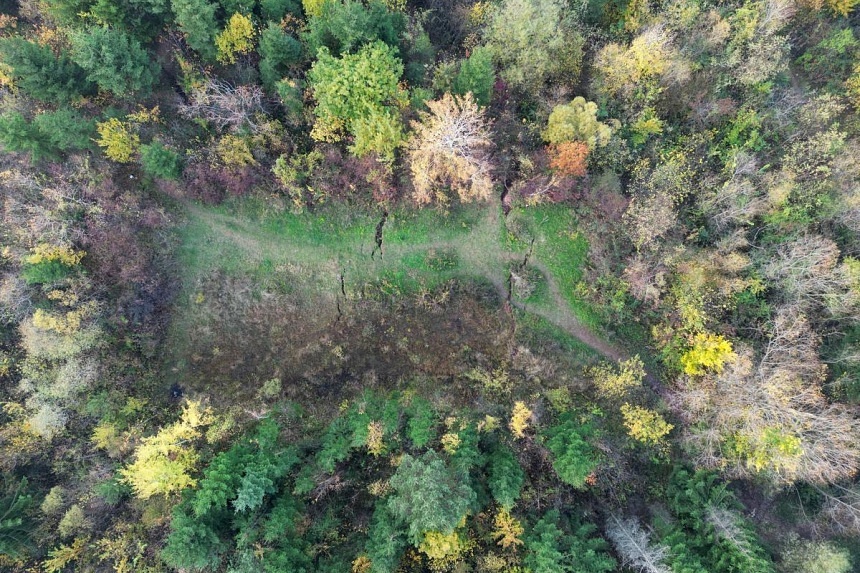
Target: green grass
[{"x": 562, "y": 249}]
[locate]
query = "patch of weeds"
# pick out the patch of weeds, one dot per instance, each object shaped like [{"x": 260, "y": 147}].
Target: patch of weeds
[{"x": 529, "y": 285}]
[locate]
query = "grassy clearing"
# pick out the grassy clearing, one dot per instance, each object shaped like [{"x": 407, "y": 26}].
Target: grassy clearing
[{"x": 305, "y": 256}]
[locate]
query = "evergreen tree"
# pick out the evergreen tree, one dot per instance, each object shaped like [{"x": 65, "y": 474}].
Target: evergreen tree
[
  {"x": 41, "y": 74},
  {"x": 115, "y": 61}
]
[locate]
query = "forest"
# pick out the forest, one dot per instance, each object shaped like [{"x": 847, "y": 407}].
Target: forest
[{"x": 391, "y": 286}]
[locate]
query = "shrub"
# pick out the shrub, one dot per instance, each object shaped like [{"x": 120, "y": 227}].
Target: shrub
[
  {"x": 118, "y": 140},
  {"x": 569, "y": 158},
  {"x": 573, "y": 458},
  {"x": 236, "y": 38},
  {"x": 160, "y": 161}
]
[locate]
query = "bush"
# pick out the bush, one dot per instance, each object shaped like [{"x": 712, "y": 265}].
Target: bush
[
  {"x": 573, "y": 458},
  {"x": 159, "y": 161}
]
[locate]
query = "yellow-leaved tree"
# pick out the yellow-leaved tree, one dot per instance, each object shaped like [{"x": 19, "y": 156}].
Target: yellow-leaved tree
[
  {"x": 708, "y": 353},
  {"x": 520, "y": 419},
  {"x": 236, "y": 38},
  {"x": 163, "y": 463}
]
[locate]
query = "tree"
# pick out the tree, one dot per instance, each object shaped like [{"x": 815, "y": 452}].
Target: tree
[
  {"x": 160, "y": 161},
  {"x": 41, "y": 74},
  {"x": 278, "y": 50},
  {"x": 622, "y": 70},
  {"x": 355, "y": 92},
  {"x": 476, "y": 76},
  {"x": 709, "y": 352},
  {"x": 421, "y": 423},
  {"x": 237, "y": 37},
  {"x": 18, "y": 135},
  {"x": 577, "y": 121},
  {"x": 385, "y": 542},
  {"x": 505, "y": 477},
  {"x": 48, "y": 135},
  {"x": 617, "y": 382},
  {"x": 551, "y": 549},
  {"x": 163, "y": 463},
  {"x": 450, "y": 149},
  {"x": 196, "y": 19},
  {"x": 520, "y": 419},
  {"x": 634, "y": 546},
  {"x": 573, "y": 458},
  {"x": 113, "y": 60},
  {"x": 428, "y": 496},
  {"x": 507, "y": 529},
  {"x": 345, "y": 26},
  {"x": 15, "y": 525},
  {"x": 192, "y": 543},
  {"x": 65, "y": 129},
  {"x": 531, "y": 43}
]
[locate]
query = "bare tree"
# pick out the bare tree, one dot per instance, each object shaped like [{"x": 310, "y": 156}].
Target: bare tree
[
  {"x": 771, "y": 417},
  {"x": 634, "y": 546},
  {"x": 737, "y": 201},
  {"x": 225, "y": 105},
  {"x": 842, "y": 509},
  {"x": 809, "y": 275}
]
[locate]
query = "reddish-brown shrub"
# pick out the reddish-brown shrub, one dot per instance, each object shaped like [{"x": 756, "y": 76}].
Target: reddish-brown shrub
[
  {"x": 569, "y": 158},
  {"x": 212, "y": 184}
]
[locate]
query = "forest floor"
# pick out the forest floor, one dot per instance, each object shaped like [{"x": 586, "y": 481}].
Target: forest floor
[{"x": 253, "y": 271}]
